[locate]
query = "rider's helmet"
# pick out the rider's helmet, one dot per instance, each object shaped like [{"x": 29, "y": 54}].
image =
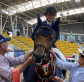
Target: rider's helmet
[{"x": 51, "y": 9}]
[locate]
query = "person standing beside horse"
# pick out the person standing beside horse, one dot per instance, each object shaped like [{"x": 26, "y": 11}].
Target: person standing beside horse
[
  {"x": 77, "y": 68},
  {"x": 50, "y": 14},
  {"x": 6, "y": 62}
]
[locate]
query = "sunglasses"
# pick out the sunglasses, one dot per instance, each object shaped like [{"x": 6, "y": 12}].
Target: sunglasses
[{"x": 82, "y": 56}]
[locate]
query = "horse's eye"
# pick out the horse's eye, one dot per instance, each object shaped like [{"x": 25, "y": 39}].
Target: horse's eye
[
  {"x": 51, "y": 38},
  {"x": 37, "y": 34}
]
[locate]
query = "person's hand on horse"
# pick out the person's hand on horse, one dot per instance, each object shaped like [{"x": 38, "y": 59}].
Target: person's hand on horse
[
  {"x": 56, "y": 78},
  {"x": 30, "y": 60},
  {"x": 26, "y": 63},
  {"x": 53, "y": 54},
  {"x": 30, "y": 53}
]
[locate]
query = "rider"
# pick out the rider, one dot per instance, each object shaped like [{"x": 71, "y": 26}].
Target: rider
[{"x": 50, "y": 14}]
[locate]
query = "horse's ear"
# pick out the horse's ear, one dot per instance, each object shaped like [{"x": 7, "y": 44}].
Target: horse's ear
[
  {"x": 39, "y": 20},
  {"x": 55, "y": 25},
  {"x": 40, "y": 23}
]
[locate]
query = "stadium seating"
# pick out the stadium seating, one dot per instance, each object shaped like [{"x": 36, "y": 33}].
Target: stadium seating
[
  {"x": 83, "y": 44},
  {"x": 26, "y": 43},
  {"x": 67, "y": 48}
]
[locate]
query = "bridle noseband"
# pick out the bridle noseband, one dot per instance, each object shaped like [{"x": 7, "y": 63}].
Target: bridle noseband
[{"x": 41, "y": 45}]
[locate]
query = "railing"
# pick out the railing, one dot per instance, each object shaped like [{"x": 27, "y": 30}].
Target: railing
[{"x": 71, "y": 30}]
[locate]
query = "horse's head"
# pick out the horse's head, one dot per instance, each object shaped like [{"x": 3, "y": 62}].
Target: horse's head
[{"x": 44, "y": 39}]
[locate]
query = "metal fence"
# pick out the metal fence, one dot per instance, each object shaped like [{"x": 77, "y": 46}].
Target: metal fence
[{"x": 72, "y": 31}]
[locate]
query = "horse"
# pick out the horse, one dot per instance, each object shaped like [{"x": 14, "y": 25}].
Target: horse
[
  {"x": 43, "y": 68},
  {"x": 41, "y": 54}
]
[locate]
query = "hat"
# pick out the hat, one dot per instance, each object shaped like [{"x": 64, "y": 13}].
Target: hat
[
  {"x": 3, "y": 39},
  {"x": 82, "y": 52},
  {"x": 51, "y": 9}
]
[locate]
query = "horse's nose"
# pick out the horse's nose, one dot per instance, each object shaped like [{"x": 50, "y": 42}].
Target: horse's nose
[{"x": 38, "y": 57}]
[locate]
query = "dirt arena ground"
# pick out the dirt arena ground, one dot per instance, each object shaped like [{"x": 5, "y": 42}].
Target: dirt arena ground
[
  {"x": 67, "y": 76},
  {"x": 21, "y": 77}
]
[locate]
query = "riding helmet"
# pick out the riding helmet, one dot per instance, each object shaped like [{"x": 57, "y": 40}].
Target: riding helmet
[{"x": 51, "y": 9}]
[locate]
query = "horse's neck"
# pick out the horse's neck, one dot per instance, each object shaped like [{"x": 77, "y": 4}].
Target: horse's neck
[{"x": 41, "y": 72}]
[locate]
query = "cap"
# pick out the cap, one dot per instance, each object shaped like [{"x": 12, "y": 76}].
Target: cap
[
  {"x": 3, "y": 39},
  {"x": 51, "y": 9},
  {"x": 82, "y": 52}
]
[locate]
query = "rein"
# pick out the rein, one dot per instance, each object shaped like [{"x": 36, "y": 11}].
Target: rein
[{"x": 41, "y": 45}]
